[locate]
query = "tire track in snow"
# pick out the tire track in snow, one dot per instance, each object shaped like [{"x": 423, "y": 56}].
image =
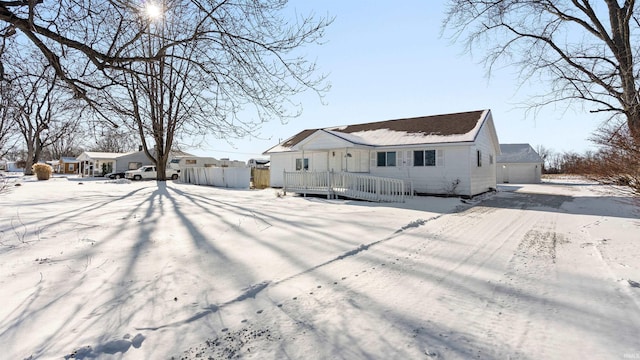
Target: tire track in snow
[
  {"x": 520, "y": 294},
  {"x": 467, "y": 279},
  {"x": 625, "y": 286}
]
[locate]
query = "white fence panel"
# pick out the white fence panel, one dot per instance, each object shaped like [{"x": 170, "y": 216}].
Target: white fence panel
[{"x": 229, "y": 177}]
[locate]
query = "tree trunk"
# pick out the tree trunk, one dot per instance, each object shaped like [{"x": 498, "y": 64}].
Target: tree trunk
[
  {"x": 161, "y": 166},
  {"x": 634, "y": 127},
  {"x": 29, "y": 161}
]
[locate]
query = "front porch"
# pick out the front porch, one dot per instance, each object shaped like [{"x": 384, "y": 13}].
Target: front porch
[{"x": 348, "y": 185}]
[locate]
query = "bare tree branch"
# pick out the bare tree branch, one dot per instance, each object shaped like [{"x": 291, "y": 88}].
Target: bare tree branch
[{"x": 588, "y": 53}]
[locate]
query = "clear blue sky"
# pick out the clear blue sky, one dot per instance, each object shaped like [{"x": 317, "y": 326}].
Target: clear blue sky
[{"x": 386, "y": 60}]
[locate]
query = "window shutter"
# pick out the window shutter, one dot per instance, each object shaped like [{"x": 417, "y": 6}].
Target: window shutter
[
  {"x": 439, "y": 157},
  {"x": 407, "y": 158},
  {"x": 373, "y": 159}
]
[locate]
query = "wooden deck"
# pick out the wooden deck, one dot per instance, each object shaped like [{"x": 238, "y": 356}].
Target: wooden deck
[{"x": 348, "y": 185}]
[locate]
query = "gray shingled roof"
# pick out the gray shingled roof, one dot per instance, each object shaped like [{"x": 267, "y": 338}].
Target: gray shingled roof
[{"x": 518, "y": 153}]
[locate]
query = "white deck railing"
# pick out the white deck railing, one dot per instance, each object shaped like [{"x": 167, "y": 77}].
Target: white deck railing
[{"x": 349, "y": 185}]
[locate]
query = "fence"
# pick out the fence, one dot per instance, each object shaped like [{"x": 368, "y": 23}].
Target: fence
[
  {"x": 260, "y": 178},
  {"x": 350, "y": 185},
  {"x": 229, "y": 177}
]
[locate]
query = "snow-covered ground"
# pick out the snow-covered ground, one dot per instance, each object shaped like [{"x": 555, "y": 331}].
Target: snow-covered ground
[{"x": 115, "y": 269}]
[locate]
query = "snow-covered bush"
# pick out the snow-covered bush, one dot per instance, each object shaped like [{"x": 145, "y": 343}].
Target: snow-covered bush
[{"x": 42, "y": 171}]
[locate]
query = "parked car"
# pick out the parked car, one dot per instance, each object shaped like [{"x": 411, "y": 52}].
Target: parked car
[
  {"x": 115, "y": 175},
  {"x": 149, "y": 172}
]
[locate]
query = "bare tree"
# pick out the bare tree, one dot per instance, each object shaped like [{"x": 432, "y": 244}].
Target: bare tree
[
  {"x": 44, "y": 111},
  {"x": 66, "y": 143},
  {"x": 618, "y": 160},
  {"x": 78, "y": 39},
  {"x": 246, "y": 49},
  {"x": 113, "y": 140},
  {"x": 587, "y": 51},
  {"x": 242, "y": 56},
  {"x": 7, "y": 125},
  {"x": 545, "y": 154}
]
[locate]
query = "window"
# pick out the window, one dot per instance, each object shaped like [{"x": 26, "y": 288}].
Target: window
[
  {"x": 491, "y": 159},
  {"x": 134, "y": 165},
  {"x": 190, "y": 162},
  {"x": 299, "y": 164},
  {"x": 386, "y": 158},
  {"x": 479, "y": 154},
  {"x": 424, "y": 158},
  {"x": 71, "y": 167}
]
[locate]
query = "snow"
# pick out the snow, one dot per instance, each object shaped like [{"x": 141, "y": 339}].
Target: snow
[
  {"x": 387, "y": 137},
  {"x": 91, "y": 268}
]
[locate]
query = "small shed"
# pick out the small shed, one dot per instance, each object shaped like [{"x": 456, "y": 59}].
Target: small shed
[{"x": 518, "y": 164}]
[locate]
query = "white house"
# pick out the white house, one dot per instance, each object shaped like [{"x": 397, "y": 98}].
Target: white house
[
  {"x": 94, "y": 163},
  {"x": 450, "y": 154},
  {"x": 518, "y": 164}
]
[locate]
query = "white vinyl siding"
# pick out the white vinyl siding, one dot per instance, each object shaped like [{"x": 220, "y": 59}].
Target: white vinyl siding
[
  {"x": 482, "y": 171},
  {"x": 438, "y": 179}
]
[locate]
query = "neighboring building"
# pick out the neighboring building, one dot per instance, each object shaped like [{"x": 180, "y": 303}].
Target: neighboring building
[
  {"x": 97, "y": 163},
  {"x": 15, "y": 166},
  {"x": 101, "y": 163},
  {"x": 518, "y": 164},
  {"x": 68, "y": 165},
  {"x": 55, "y": 165},
  {"x": 136, "y": 160},
  {"x": 451, "y": 154}
]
